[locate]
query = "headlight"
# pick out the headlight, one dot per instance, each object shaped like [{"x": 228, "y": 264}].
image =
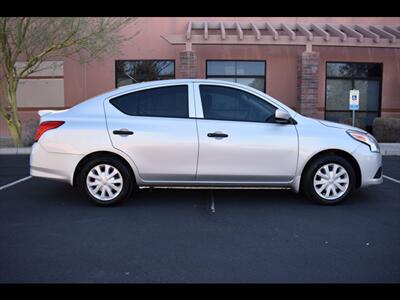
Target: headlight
[{"x": 365, "y": 138}]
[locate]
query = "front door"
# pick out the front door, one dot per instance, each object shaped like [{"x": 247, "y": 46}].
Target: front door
[
  {"x": 240, "y": 141},
  {"x": 153, "y": 127}
]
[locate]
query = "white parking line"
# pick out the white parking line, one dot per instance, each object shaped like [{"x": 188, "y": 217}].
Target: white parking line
[
  {"x": 15, "y": 182},
  {"x": 212, "y": 202},
  {"x": 392, "y": 179}
]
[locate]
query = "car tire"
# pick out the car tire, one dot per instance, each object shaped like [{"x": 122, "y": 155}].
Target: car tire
[
  {"x": 328, "y": 180},
  {"x": 117, "y": 187}
]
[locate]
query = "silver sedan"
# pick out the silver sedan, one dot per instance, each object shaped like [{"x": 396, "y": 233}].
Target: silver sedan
[{"x": 200, "y": 133}]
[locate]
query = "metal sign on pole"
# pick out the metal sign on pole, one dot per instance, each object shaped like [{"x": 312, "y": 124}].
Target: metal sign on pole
[{"x": 354, "y": 103}]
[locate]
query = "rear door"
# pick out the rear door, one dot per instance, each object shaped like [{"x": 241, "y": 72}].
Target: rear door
[{"x": 153, "y": 127}]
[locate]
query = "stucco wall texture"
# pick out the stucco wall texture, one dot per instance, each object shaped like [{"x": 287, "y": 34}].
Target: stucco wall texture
[{"x": 82, "y": 81}]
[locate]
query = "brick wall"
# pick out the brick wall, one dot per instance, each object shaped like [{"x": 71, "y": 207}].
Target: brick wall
[
  {"x": 307, "y": 83},
  {"x": 188, "y": 67}
]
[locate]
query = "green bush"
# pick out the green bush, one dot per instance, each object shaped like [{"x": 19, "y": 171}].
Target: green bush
[{"x": 386, "y": 130}]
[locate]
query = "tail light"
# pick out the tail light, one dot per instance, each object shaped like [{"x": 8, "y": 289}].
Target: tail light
[{"x": 45, "y": 126}]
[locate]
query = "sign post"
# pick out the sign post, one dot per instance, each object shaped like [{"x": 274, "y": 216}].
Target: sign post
[{"x": 354, "y": 103}]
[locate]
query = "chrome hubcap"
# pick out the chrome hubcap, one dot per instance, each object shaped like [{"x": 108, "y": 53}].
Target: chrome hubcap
[
  {"x": 331, "y": 181},
  {"x": 104, "y": 182}
]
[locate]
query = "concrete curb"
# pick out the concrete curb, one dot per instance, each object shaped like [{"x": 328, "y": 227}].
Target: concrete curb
[
  {"x": 390, "y": 148},
  {"x": 386, "y": 149},
  {"x": 13, "y": 150}
]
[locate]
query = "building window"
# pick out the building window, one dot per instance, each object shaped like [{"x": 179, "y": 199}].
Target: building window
[
  {"x": 251, "y": 73},
  {"x": 133, "y": 71},
  {"x": 343, "y": 77}
]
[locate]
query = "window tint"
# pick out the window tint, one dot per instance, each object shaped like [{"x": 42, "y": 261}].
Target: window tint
[
  {"x": 224, "y": 103},
  {"x": 158, "y": 102},
  {"x": 351, "y": 70}
]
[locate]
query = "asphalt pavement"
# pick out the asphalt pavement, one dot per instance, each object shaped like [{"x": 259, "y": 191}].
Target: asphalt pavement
[{"x": 49, "y": 233}]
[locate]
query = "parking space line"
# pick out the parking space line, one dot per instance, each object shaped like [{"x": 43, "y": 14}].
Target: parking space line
[
  {"x": 212, "y": 202},
  {"x": 15, "y": 182},
  {"x": 392, "y": 179}
]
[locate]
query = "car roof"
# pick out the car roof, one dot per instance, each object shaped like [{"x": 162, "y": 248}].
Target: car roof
[
  {"x": 161, "y": 83},
  {"x": 171, "y": 81}
]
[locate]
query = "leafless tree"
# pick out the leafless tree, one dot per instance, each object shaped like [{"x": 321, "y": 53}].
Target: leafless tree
[{"x": 33, "y": 40}]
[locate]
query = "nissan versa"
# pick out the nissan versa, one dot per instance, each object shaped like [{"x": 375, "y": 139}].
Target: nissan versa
[{"x": 208, "y": 133}]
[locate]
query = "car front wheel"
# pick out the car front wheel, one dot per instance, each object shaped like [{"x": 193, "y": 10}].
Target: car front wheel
[{"x": 329, "y": 180}]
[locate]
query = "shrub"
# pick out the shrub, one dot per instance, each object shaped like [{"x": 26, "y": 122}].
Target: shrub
[{"x": 386, "y": 130}]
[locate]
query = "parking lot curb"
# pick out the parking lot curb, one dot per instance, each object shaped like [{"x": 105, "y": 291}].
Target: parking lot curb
[
  {"x": 390, "y": 148},
  {"x": 15, "y": 150},
  {"x": 386, "y": 149}
]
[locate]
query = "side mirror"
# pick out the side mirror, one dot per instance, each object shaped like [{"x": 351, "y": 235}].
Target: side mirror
[{"x": 282, "y": 116}]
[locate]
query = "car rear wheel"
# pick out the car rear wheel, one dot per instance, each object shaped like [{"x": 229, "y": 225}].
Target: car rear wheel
[
  {"x": 106, "y": 181},
  {"x": 329, "y": 180}
]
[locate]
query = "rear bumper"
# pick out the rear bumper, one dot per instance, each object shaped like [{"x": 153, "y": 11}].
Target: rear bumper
[
  {"x": 369, "y": 163},
  {"x": 51, "y": 165}
]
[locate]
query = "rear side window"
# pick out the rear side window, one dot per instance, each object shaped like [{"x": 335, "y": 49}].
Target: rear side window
[
  {"x": 171, "y": 101},
  {"x": 225, "y": 103}
]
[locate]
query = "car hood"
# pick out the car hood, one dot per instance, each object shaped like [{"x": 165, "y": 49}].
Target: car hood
[{"x": 338, "y": 125}]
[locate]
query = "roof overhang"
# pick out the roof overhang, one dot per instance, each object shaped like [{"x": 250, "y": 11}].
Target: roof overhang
[{"x": 304, "y": 34}]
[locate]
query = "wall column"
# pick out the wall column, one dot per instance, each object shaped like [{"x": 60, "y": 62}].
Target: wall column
[
  {"x": 188, "y": 67},
  {"x": 308, "y": 83}
]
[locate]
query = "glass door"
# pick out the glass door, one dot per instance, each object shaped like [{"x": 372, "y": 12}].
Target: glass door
[{"x": 343, "y": 77}]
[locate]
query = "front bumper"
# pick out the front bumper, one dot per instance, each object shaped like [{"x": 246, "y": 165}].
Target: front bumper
[
  {"x": 52, "y": 165},
  {"x": 369, "y": 163}
]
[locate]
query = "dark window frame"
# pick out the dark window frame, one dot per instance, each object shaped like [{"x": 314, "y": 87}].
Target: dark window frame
[
  {"x": 135, "y": 60},
  {"x": 377, "y": 78},
  {"x": 239, "y": 76},
  {"x": 231, "y": 120},
  {"x": 154, "y": 88}
]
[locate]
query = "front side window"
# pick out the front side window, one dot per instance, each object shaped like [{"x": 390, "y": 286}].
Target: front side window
[
  {"x": 169, "y": 102},
  {"x": 251, "y": 73},
  {"x": 225, "y": 103},
  {"x": 133, "y": 71},
  {"x": 343, "y": 77}
]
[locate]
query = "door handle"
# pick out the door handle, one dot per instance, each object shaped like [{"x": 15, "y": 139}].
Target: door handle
[
  {"x": 123, "y": 132},
  {"x": 217, "y": 135}
]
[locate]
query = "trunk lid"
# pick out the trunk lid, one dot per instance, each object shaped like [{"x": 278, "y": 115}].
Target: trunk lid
[{"x": 45, "y": 113}]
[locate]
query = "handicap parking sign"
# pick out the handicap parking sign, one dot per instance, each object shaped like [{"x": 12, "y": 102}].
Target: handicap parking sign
[{"x": 354, "y": 100}]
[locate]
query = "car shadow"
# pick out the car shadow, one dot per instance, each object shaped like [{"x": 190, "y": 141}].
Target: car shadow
[{"x": 59, "y": 193}]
